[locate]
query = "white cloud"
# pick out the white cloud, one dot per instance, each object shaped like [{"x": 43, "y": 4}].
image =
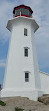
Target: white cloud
[
  {"x": 2, "y": 63},
  {"x": 6, "y": 9}
]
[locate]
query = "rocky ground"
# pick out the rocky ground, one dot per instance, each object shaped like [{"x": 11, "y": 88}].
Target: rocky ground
[{"x": 24, "y": 103}]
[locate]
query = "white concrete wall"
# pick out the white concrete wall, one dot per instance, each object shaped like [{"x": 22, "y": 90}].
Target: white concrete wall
[
  {"x": 17, "y": 63},
  {"x": 35, "y": 62},
  {"x": 44, "y": 78}
]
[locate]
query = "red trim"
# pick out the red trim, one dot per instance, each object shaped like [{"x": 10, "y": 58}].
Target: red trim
[
  {"x": 17, "y": 16},
  {"x": 25, "y": 15},
  {"x": 22, "y": 15},
  {"x": 22, "y": 6}
]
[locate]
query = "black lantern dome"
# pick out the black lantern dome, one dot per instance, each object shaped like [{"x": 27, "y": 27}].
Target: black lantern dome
[{"x": 23, "y": 11}]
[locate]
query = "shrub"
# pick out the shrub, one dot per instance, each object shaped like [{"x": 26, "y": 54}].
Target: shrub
[{"x": 2, "y": 103}]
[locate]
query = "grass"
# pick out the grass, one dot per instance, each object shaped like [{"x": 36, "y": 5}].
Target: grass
[
  {"x": 18, "y": 109},
  {"x": 2, "y": 103}
]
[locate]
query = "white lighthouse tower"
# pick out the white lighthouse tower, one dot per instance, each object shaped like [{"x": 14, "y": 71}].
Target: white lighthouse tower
[{"x": 22, "y": 74}]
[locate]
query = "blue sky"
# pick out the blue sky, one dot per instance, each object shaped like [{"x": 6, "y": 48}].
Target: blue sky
[{"x": 41, "y": 15}]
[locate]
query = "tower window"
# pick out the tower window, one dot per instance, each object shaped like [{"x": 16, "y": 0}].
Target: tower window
[
  {"x": 26, "y": 76},
  {"x": 25, "y": 32},
  {"x": 26, "y": 52}
]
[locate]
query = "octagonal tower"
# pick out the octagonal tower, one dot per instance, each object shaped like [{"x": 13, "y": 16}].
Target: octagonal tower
[{"x": 22, "y": 74}]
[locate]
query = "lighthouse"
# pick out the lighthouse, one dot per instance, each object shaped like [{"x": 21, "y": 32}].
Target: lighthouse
[{"x": 22, "y": 74}]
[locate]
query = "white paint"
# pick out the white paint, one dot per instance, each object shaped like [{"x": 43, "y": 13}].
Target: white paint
[
  {"x": 44, "y": 78},
  {"x": 17, "y": 63}
]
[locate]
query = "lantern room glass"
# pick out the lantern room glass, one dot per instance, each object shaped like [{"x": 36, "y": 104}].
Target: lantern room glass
[{"x": 23, "y": 12}]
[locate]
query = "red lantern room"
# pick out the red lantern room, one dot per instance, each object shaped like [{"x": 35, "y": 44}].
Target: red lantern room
[{"x": 22, "y": 10}]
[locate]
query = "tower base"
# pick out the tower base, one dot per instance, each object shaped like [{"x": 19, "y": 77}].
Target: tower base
[{"x": 31, "y": 94}]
